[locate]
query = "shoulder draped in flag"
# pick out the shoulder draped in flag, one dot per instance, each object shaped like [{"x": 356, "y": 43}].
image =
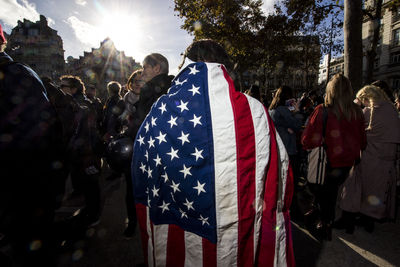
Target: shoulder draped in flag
[{"x": 211, "y": 177}]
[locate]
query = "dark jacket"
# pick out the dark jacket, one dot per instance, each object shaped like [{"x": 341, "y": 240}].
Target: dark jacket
[
  {"x": 112, "y": 110},
  {"x": 28, "y": 138},
  {"x": 283, "y": 120},
  {"x": 149, "y": 94},
  {"x": 26, "y": 114}
]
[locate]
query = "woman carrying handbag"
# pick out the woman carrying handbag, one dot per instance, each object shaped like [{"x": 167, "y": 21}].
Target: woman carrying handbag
[{"x": 344, "y": 139}]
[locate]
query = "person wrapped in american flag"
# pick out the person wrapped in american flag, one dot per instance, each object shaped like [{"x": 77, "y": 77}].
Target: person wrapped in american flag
[{"x": 211, "y": 176}]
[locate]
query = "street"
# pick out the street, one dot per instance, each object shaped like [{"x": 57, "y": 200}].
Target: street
[{"x": 105, "y": 246}]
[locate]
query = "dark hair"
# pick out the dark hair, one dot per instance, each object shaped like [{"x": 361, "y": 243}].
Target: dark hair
[
  {"x": 157, "y": 59},
  {"x": 281, "y": 95},
  {"x": 74, "y": 82},
  {"x": 255, "y": 92},
  {"x": 113, "y": 88},
  {"x": 207, "y": 50}
]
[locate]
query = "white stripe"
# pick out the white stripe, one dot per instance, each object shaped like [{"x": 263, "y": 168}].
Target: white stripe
[
  {"x": 160, "y": 244},
  {"x": 149, "y": 241},
  {"x": 226, "y": 200},
  {"x": 280, "y": 241},
  {"x": 262, "y": 140},
  {"x": 193, "y": 250}
]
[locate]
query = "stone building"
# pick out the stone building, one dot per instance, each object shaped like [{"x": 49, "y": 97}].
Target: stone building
[
  {"x": 387, "y": 61},
  {"x": 37, "y": 45},
  {"x": 102, "y": 65}
]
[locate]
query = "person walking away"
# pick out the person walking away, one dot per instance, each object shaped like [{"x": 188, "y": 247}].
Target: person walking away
[
  {"x": 205, "y": 173},
  {"x": 90, "y": 92},
  {"x": 283, "y": 115},
  {"x": 371, "y": 188},
  {"x": 131, "y": 99},
  {"x": 344, "y": 139},
  {"x": 84, "y": 150}
]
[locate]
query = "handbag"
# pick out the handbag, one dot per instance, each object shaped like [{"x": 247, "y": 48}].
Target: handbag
[{"x": 317, "y": 159}]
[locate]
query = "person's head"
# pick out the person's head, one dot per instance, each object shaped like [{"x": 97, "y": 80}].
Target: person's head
[
  {"x": 113, "y": 88},
  {"x": 71, "y": 85},
  {"x": 153, "y": 65},
  {"x": 207, "y": 50},
  {"x": 135, "y": 82},
  {"x": 3, "y": 40},
  {"x": 339, "y": 97},
  {"x": 370, "y": 95},
  {"x": 385, "y": 87},
  {"x": 90, "y": 91},
  {"x": 281, "y": 95},
  {"x": 254, "y": 91}
]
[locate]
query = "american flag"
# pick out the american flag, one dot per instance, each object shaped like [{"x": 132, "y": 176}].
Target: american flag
[{"x": 211, "y": 177}]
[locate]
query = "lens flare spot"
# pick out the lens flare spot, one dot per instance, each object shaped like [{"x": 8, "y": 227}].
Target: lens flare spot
[
  {"x": 35, "y": 245},
  {"x": 57, "y": 165},
  {"x": 373, "y": 200},
  {"x": 335, "y": 133},
  {"x": 77, "y": 255}
]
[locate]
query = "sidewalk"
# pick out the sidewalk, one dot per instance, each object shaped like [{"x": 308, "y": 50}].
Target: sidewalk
[{"x": 105, "y": 245}]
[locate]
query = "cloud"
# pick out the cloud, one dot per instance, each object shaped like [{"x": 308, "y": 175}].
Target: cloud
[
  {"x": 85, "y": 32},
  {"x": 11, "y": 11},
  {"x": 81, "y": 2},
  {"x": 268, "y": 6}
]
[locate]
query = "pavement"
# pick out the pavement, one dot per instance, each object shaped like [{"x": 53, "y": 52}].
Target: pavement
[{"x": 105, "y": 246}]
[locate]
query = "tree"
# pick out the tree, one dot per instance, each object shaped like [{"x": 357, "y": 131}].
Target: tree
[
  {"x": 353, "y": 54},
  {"x": 233, "y": 23}
]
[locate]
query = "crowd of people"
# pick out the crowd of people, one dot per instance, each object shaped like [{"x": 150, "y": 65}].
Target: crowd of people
[{"x": 52, "y": 131}]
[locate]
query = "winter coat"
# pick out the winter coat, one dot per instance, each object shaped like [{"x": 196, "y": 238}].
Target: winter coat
[
  {"x": 371, "y": 186},
  {"x": 343, "y": 139},
  {"x": 283, "y": 120},
  {"x": 149, "y": 93}
]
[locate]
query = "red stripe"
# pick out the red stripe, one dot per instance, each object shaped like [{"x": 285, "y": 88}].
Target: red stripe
[
  {"x": 287, "y": 202},
  {"x": 209, "y": 254},
  {"x": 266, "y": 252},
  {"x": 245, "y": 151},
  {"x": 142, "y": 218},
  {"x": 175, "y": 246}
]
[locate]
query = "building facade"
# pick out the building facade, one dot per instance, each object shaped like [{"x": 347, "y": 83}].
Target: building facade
[
  {"x": 336, "y": 66},
  {"x": 387, "y": 61},
  {"x": 102, "y": 65},
  {"x": 37, "y": 45}
]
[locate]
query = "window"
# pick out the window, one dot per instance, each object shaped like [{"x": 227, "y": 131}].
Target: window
[
  {"x": 396, "y": 15},
  {"x": 396, "y": 37},
  {"x": 396, "y": 83},
  {"x": 395, "y": 57}
]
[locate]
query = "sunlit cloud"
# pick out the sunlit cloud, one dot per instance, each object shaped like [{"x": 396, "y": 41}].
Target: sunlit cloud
[
  {"x": 50, "y": 21},
  {"x": 11, "y": 11},
  {"x": 81, "y": 2},
  {"x": 85, "y": 32}
]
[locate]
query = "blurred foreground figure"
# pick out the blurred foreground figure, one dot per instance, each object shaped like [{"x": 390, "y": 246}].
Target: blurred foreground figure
[
  {"x": 27, "y": 149},
  {"x": 211, "y": 177}
]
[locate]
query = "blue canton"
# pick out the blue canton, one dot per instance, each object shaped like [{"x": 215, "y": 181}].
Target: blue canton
[{"x": 173, "y": 162}]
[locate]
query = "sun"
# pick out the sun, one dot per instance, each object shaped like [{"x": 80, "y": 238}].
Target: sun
[{"x": 124, "y": 30}]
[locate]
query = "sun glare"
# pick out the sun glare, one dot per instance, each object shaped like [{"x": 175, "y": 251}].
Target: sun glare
[{"x": 124, "y": 30}]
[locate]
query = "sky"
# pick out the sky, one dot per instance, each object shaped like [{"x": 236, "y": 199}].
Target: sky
[{"x": 137, "y": 27}]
